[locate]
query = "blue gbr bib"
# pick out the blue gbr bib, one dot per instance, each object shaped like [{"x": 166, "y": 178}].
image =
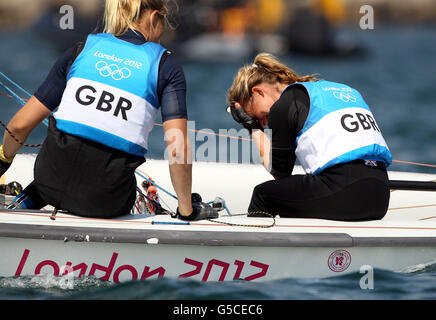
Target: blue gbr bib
[
  {"x": 111, "y": 93},
  {"x": 339, "y": 128}
]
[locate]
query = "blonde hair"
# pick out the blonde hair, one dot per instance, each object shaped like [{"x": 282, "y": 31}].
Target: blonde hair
[
  {"x": 266, "y": 68},
  {"x": 121, "y": 15}
]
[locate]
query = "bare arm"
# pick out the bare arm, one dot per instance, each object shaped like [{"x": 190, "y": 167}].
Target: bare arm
[
  {"x": 180, "y": 162},
  {"x": 22, "y": 124},
  {"x": 263, "y": 144}
]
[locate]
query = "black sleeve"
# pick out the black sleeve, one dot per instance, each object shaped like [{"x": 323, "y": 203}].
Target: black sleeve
[
  {"x": 286, "y": 119},
  {"x": 172, "y": 89},
  {"x": 51, "y": 91}
]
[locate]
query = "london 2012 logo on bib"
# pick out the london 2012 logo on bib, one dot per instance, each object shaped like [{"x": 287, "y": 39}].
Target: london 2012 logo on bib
[
  {"x": 112, "y": 70},
  {"x": 346, "y": 97},
  {"x": 339, "y": 260}
]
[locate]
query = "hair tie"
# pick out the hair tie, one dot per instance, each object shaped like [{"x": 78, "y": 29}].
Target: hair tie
[{"x": 255, "y": 66}]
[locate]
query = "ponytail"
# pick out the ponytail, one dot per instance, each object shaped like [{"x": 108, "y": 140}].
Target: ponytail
[
  {"x": 266, "y": 68},
  {"x": 121, "y": 15},
  {"x": 275, "y": 71}
]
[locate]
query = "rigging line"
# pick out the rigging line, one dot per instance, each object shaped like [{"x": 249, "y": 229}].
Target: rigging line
[
  {"x": 15, "y": 84},
  {"x": 45, "y": 122},
  {"x": 199, "y": 131},
  {"x": 264, "y": 214},
  {"x": 17, "y": 140},
  {"x": 156, "y": 185},
  {"x": 150, "y": 180},
  {"x": 9, "y": 96},
  {"x": 21, "y": 101},
  {"x": 6, "y": 95},
  {"x": 414, "y": 207},
  {"x": 166, "y": 204},
  {"x": 212, "y": 133},
  {"x": 416, "y": 163},
  {"x": 428, "y": 218},
  {"x": 157, "y": 124},
  {"x": 18, "y": 98}
]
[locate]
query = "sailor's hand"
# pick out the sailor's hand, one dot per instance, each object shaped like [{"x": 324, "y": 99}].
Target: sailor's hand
[
  {"x": 243, "y": 118},
  {"x": 200, "y": 210},
  {"x": 5, "y": 163}
]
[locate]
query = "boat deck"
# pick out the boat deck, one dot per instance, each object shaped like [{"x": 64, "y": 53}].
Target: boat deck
[{"x": 411, "y": 214}]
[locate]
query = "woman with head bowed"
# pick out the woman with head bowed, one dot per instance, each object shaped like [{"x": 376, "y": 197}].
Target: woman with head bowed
[{"x": 328, "y": 127}]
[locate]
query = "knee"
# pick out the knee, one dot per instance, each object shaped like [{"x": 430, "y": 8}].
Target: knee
[
  {"x": 258, "y": 189},
  {"x": 261, "y": 191},
  {"x": 257, "y": 202}
]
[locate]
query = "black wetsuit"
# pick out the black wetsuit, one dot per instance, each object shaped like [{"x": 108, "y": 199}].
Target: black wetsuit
[
  {"x": 88, "y": 178},
  {"x": 350, "y": 191}
]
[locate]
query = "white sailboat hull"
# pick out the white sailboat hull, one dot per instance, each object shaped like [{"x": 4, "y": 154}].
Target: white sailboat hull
[{"x": 231, "y": 247}]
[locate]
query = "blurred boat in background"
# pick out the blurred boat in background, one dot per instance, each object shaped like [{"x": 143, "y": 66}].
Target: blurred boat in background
[{"x": 227, "y": 30}]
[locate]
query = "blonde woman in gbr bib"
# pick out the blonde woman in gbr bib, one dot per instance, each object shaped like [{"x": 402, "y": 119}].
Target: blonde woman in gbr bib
[
  {"x": 105, "y": 94},
  {"x": 328, "y": 127}
]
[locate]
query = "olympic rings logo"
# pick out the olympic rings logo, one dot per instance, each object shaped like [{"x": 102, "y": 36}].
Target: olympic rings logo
[
  {"x": 113, "y": 71},
  {"x": 346, "y": 97}
]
